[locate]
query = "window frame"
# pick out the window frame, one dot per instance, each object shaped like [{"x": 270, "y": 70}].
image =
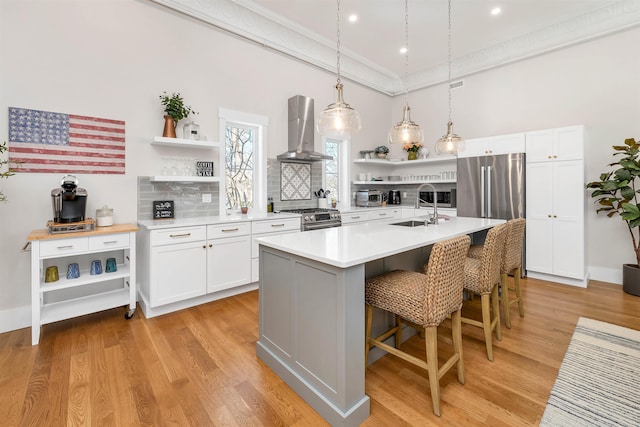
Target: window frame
[
  {"x": 344, "y": 199},
  {"x": 261, "y": 124}
]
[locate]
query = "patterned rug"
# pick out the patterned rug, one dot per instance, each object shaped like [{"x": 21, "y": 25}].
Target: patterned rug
[{"x": 599, "y": 379}]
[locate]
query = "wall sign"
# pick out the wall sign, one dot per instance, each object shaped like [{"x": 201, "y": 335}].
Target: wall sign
[{"x": 162, "y": 209}]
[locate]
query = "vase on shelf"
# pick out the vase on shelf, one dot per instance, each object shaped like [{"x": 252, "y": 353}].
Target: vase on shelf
[
  {"x": 424, "y": 152},
  {"x": 169, "y": 127},
  {"x": 381, "y": 155},
  {"x": 412, "y": 155}
]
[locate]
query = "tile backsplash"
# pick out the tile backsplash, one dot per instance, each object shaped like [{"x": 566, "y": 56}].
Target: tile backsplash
[{"x": 187, "y": 196}]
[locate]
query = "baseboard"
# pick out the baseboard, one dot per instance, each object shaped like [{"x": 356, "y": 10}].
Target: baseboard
[
  {"x": 15, "y": 318},
  {"x": 604, "y": 274},
  {"x": 582, "y": 283}
]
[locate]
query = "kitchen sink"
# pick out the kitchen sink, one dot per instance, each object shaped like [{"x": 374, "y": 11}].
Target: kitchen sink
[{"x": 411, "y": 223}]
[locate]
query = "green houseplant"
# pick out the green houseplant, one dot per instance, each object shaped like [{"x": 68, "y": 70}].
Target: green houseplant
[
  {"x": 175, "y": 110},
  {"x": 616, "y": 193},
  {"x": 5, "y": 173}
]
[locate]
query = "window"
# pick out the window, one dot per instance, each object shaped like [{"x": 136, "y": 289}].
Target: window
[
  {"x": 335, "y": 173},
  {"x": 244, "y": 159}
]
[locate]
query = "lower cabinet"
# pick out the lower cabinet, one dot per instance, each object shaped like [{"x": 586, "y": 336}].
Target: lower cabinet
[
  {"x": 228, "y": 256},
  {"x": 268, "y": 228}
]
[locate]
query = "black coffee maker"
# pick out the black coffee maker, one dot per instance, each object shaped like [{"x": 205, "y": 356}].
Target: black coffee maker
[
  {"x": 394, "y": 197},
  {"x": 69, "y": 202}
]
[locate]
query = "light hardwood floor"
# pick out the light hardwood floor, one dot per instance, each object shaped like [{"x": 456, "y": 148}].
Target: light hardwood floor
[{"x": 199, "y": 367}]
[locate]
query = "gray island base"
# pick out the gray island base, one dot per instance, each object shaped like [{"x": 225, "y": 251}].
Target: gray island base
[{"x": 312, "y": 305}]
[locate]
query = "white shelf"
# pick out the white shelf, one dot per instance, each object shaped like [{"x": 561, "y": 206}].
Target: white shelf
[
  {"x": 162, "y": 178},
  {"x": 179, "y": 142},
  {"x": 85, "y": 279},
  {"x": 84, "y": 305},
  {"x": 403, "y": 163},
  {"x": 428, "y": 181}
]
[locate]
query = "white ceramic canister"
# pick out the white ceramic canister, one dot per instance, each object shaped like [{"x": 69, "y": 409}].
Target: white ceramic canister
[{"x": 104, "y": 217}]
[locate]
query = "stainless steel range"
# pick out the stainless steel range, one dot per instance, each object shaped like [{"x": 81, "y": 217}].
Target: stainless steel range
[{"x": 317, "y": 218}]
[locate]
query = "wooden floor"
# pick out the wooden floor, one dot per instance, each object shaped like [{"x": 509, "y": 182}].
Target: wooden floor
[{"x": 199, "y": 367}]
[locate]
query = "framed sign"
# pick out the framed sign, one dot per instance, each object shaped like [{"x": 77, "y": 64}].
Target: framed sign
[{"x": 162, "y": 209}]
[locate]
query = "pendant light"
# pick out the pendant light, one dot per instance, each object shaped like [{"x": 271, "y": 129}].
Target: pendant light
[
  {"x": 339, "y": 118},
  {"x": 449, "y": 143},
  {"x": 406, "y": 131}
]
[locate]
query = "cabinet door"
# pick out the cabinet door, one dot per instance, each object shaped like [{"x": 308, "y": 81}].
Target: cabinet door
[
  {"x": 568, "y": 219},
  {"x": 228, "y": 263},
  {"x": 568, "y": 143},
  {"x": 178, "y": 272},
  {"x": 354, "y": 217},
  {"x": 539, "y": 218},
  {"x": 506, "y": 144},
  {"x": 475, "y": 147},
  {"x": 539, "y": 146}
]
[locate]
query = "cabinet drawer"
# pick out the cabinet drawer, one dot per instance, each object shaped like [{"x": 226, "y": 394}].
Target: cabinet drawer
[
  {"x": 385, "y": 214},
  {"x": 178, "y": 235},
  {"x": 255, "y": 248},
  {"x": 228, "y": 230},
  {"x": 275, "y": 225},
  {"x": 62, "y": 247},
  {"x": 351, "y": 217},
  {"x": 109, "y": 241}
]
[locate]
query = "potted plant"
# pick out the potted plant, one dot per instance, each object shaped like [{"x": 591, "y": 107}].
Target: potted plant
[
  {"x": 6, "y": 173},
  {"x": 175, "y": 110},
  {"x": 617, "y": 193},
  {"x": 412, "y": 149},
  {"x": 382, "y": 151}
]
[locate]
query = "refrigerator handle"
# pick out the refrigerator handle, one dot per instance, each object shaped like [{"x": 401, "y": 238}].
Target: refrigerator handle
[
  {"x": 482, "y": 190},
  {"x": 489, "y": 213}
]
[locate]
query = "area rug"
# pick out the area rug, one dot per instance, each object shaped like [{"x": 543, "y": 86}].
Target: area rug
[{"x": 599, "y": 379}]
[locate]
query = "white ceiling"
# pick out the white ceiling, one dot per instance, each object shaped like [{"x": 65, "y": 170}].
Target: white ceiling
[{"x": 306, "y": 29}]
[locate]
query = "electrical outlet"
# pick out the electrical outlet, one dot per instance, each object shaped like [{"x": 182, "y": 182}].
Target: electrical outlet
[
  {"x": 206, "y": 198},
  {"x": 404, "y": 194}
]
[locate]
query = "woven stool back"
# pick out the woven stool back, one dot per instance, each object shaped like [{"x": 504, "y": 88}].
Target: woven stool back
[{"x": 512, "y": 255}]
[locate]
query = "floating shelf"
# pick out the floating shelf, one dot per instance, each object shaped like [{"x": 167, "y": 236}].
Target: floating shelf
[
  {"x": 428, "y": 181},
  {"x": 163, "y": 178},
  {"x": 404, "y": 163},
  {"x": 179, "y": 142}
]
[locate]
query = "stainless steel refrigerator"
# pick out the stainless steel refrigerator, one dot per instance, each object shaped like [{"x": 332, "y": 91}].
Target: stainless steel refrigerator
[{"x": 491, "y": 186}]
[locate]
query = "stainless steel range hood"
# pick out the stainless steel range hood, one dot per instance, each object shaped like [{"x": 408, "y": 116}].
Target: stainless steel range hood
[{"x": 301, "y": 123}]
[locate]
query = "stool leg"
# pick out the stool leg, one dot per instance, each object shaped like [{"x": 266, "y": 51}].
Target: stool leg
[
  {"x": 496, "y": 311},
  {"x": 516, "y": 281},
  {"x": 506, "y": 302},
  {"x": 367, "y": 333},
  {"x": 486, "y": 323},
  {"x": 398, "y": 331},
  {"x": 431, "y": 343},
  {"x": 456, "y": 332}
]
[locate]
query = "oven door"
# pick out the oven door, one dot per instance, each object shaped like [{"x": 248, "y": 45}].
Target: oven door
[{"x": 320, "y": 225}]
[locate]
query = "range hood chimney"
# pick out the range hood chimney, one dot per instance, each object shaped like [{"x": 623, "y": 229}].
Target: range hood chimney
[{"x": 301, "y": 124}]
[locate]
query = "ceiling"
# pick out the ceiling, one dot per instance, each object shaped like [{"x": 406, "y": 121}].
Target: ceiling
[{"x": 306, "y": 29}]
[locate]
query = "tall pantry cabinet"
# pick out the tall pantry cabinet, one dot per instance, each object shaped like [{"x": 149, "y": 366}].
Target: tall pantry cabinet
[{"x": 555, "y": 231}]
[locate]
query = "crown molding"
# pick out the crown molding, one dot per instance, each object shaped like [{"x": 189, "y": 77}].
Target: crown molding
[{"x": 251, "y": 22}]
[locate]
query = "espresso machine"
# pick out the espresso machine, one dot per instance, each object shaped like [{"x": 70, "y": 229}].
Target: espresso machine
[{"x": 69, "y": 202}]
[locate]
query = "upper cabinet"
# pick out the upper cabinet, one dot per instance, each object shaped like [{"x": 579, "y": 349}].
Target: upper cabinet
[
  {"x": 494, "y": 145},
  {"x": 555, "y": 144}
]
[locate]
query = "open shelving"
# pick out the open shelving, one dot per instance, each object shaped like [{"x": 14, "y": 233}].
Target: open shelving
[
  {"x": 179, "y": 142},
  {"x": 404, "y": 163}
]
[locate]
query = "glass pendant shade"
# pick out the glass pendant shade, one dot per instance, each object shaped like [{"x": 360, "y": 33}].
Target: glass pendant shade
[
  {"x": 449, "y": 143},
  {"x": 406, "y": 131},
  {"x": 339, "y": 118}
]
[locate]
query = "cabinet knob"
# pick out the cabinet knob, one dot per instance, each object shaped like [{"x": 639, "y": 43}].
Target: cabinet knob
[
  {"x": 548, "y": 157},
  {"x": 210, "y": 245},
  {"x": 555, "y": 216},
  {"x": 555, "y": 157},
  {"x": 549, "y": 215},
  {"x": 204, "y": 246}
]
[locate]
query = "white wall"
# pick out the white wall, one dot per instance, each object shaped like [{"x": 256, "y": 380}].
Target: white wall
[
  {"x": 596, "y": 84},
  {"x": 112, "y": 58}
]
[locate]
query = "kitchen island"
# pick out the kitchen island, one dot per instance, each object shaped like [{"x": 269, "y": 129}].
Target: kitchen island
[{"x": 312, "y": 304}]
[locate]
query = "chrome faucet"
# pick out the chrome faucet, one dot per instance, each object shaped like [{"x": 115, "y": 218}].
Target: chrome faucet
[{"x": 434, "y": 218}]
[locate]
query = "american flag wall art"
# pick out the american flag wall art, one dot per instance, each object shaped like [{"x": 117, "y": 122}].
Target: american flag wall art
[{"x": 43, "y": 141}]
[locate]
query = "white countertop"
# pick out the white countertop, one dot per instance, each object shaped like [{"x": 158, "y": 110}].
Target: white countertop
[
  {"x": 348, "y": 246},
  {"x": 156, "y": 224}
]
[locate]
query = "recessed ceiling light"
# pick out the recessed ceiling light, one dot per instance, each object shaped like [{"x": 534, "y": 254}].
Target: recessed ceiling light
[
  {"x": 353, "y": 17},
  {"x": 496, "y": 11},
  {"x": 403, "y": 50}
]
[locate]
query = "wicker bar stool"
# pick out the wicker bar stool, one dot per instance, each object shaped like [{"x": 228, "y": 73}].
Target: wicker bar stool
[
  {"x": 423, "y": 301},
  {"x": 511, "y": 264},
  {"x": 482, "y": 277}
]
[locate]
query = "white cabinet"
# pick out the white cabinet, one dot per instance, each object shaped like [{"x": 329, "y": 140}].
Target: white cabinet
[
  {"x": 268, "y": 228},
  {"x": 371, "y": 214},
  {"x": 555, "y": 218},
  {"x": 555, "y": 144},
  {"x": 494, "y": 145},
  {"x": 177, "y": 266},
  {"x": 228, "y": 255},
  {"x": 66, "y": 298}
]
